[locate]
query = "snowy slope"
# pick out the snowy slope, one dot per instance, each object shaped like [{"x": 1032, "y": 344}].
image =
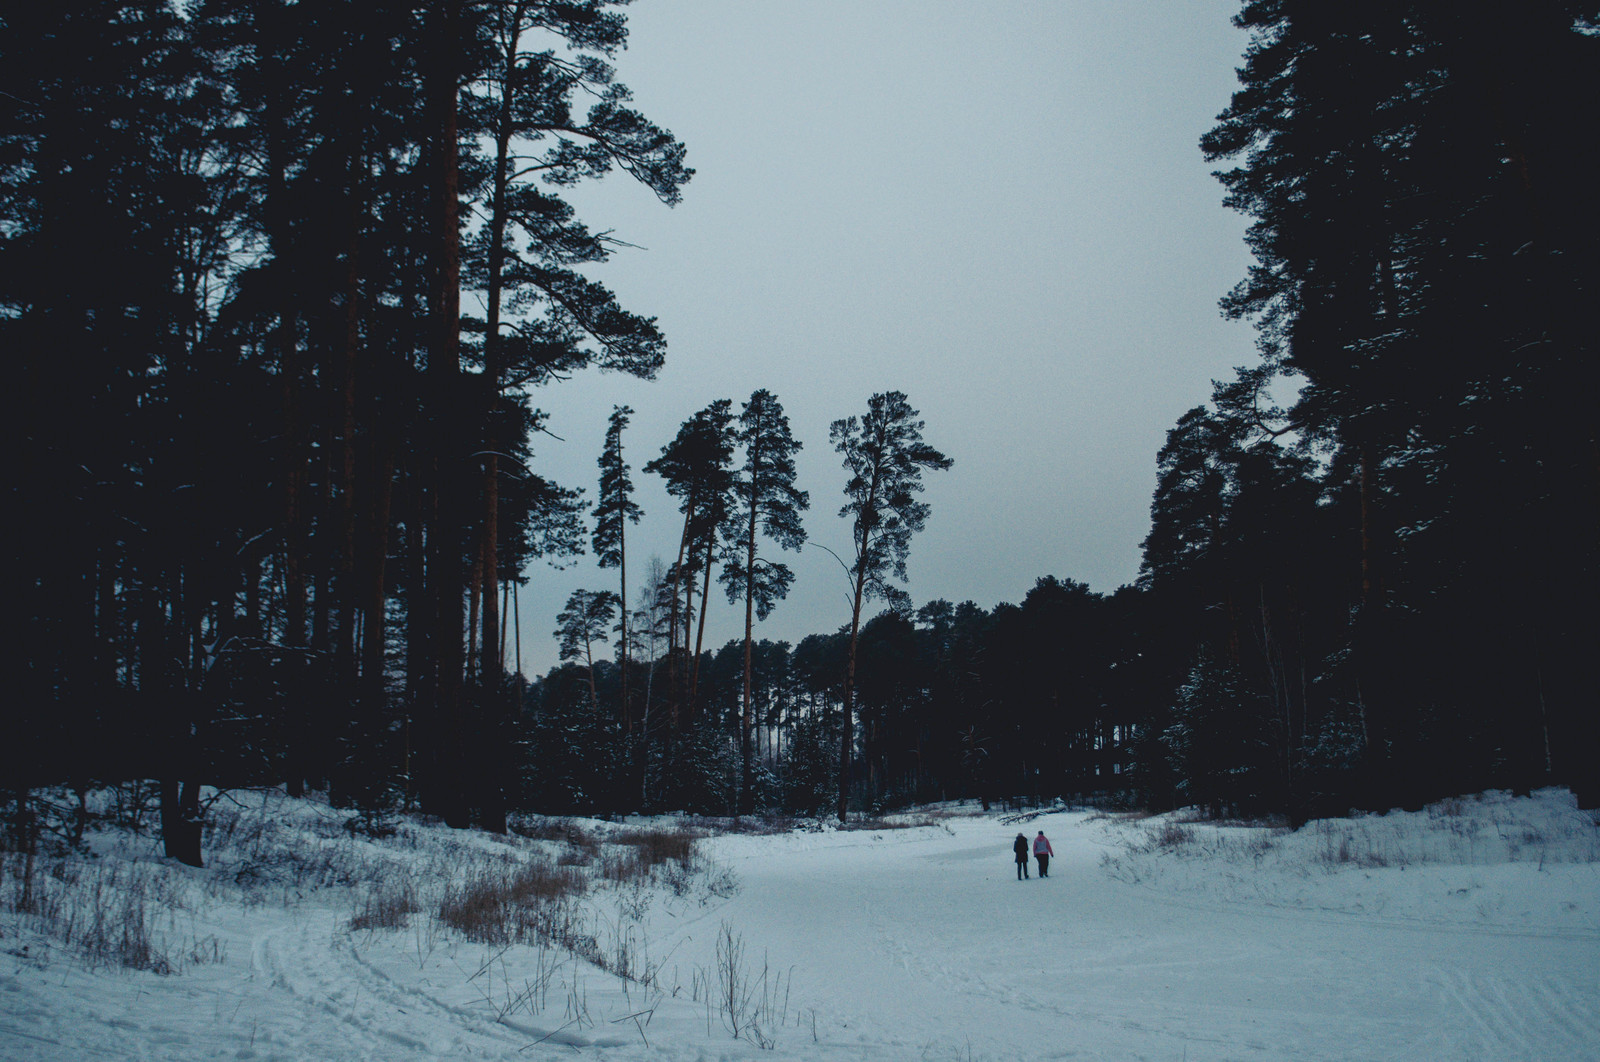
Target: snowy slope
[{"x": 1147, "y": 941}]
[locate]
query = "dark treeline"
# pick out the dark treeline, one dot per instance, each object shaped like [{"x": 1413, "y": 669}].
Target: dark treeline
[
  {"x": 1401, "y": 603},
  {"x": 277, "y": 281},
  {"x": 1027, "y": 701},
  {"x": 281, "y": 280}
]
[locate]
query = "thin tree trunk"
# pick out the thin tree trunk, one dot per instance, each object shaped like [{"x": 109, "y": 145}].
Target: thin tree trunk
[
  {"x": 505, "y": 608},
  {"x": 845, "y": 736},
  {"x": 180, "y": 821},
  {"x": 1366, "y": 529},
  {"x": 644, "y": 731},
  {"x": 294, "y": 473},
  {"x": 672, "y": 624},
  {"x": 372, "y": 640},
  {"x": 444, "y": 367},
  {"x": 700, "y": 635},
  {"x": 475, "y": 596},
  {"x": 344, "y": 649},
  {"x": 594, "y": 693},
  {"x": 251, "y": 622},
  {"x": 846, "y": 739},
  {"x": 490, "y": 658},
  {"x": 622, "y": 574},
  {"x": 493, "y": 368},
  {"x": 324, "y": 539},
  {"x": 748, "y": 774}
]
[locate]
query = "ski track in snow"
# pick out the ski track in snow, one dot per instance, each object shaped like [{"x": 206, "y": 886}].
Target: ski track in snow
[
  {"x": 1505, "y": 1019},
  {"x": 904, "y": 944}
]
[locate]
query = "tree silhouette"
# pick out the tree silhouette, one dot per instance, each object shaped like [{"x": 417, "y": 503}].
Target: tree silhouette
[
  {"x": 614, "y": 510},
  {"x": 884, "y": 453},
  {"x": 765, "y": 499},
  {"x": 586, "y": 619},
  {"x": 696, "y": 467}
]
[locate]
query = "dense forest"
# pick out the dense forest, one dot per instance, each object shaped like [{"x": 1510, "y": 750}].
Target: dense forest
[{"x": 283, "y": 281}]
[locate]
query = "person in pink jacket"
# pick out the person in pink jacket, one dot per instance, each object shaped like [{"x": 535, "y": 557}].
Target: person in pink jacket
[{"x": 1042, "y": 852}]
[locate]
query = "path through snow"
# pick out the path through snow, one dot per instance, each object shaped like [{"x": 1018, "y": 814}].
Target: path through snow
[
  {"x": 924, "y": 946},
  {"x": 900, "y": 944}
]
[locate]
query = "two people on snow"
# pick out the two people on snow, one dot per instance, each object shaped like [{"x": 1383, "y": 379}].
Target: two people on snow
[{"x": 1041, "y": 851}]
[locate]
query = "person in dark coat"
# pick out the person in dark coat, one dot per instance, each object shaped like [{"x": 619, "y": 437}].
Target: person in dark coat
[{"x": 1020, "y": 847}]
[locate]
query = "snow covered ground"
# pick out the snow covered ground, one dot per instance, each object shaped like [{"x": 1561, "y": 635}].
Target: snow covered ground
[{"x": 1469, "y": 931}]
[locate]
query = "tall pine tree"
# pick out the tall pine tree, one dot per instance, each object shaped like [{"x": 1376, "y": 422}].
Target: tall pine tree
[
  {"x": 765, "y": 500},
  {"x": 886, "y": 456}
]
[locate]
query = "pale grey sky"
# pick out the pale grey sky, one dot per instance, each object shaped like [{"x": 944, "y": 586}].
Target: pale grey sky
[{"x": 998, "y": 208}]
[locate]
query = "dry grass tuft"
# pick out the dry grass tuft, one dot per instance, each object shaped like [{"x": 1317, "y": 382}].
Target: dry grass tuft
[
  {"x": 1134, "y": 815},
  {"x": 111, "y": 914},
  {"x": 388, "y": 905},
  {"x": 761, "y": 825},
  {"x": 581, "y": 848},
  {"x": 513, "y": 905},
  {"x": 652, "y": 848},
  {"x": 1169, "y": 834},
  {"x": 898, "y": 823}
]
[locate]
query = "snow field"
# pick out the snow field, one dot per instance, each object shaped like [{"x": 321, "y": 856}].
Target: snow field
[{"x": 1469, "y": 931}]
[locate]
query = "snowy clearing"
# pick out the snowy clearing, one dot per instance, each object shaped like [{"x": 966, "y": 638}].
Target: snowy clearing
[{"x": 1468, "y": 931}]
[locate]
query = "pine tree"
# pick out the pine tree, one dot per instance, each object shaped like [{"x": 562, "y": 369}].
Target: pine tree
[
  {"x": 696, "y": 467},
  {"x": 586, "y": 619},
  {"x": 614, "y": 509},
  {"x": 765, "y": 499},
  {"x": 886, "y": 457},
  {"x": 523, "y": 101}
]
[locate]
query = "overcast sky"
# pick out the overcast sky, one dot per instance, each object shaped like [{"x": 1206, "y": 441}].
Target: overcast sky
[{"x": 998, "y": 208}]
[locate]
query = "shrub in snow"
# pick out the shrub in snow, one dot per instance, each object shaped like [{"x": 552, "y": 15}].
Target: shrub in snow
[
  {"x": 497, "y": 903},
  {"x": 1458, "y": 844}
]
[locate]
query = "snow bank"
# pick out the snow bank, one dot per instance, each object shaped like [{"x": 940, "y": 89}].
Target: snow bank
[
  {"x": 1467, "y": 931},
  {"x": 1491, "y": 860}
]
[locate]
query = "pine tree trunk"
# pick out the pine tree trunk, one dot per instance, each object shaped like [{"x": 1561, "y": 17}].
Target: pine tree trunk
[
  {"x": 496, "y": 722},
  {"x": 475, "y": 595},
  {"x": 700, "y": 634},
  {"x": 180, "y": 821},
  {"x": 748, "y": 774},
  {"x": 493, "y": 369},
  {"x": 869, "y": 507},
  {"x": 594, "y": 693},
  {"x": 371, "y": 690},
  {"x": 294, "y": 473},
  {"x": 505, "y": 610},
  {"x": 344, "y": 649},
  {"x": 622, "y": 572},
  {"x": 672, "y": 624},
  {"x": 372, "y": 638},
  {"x": 846, "y": 738},
  {"x": 444, "y": 367}
]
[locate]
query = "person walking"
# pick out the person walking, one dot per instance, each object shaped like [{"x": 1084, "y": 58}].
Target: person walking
[
  {"x": 1042, "y": 852},
  {"x": 1020, "y": 847}
]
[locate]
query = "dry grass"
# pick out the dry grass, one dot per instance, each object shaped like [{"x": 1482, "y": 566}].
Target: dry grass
[
  {"x": 656, "y": 847},
  {"x": 753, "y": 1005},
  {"x": 1137, "y": 815},
  {"x": 526, "y": 904},
  {"x": 762, "y": 825},
  {"x": 111, "y": 914},
  {"x": 581, "y": 847},
  {"x": 388, "y": 905},
  {"x": 1169, "y": 834},
  {"x": 123, "y": 907},
  {"x": 916, "y": 822}
]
